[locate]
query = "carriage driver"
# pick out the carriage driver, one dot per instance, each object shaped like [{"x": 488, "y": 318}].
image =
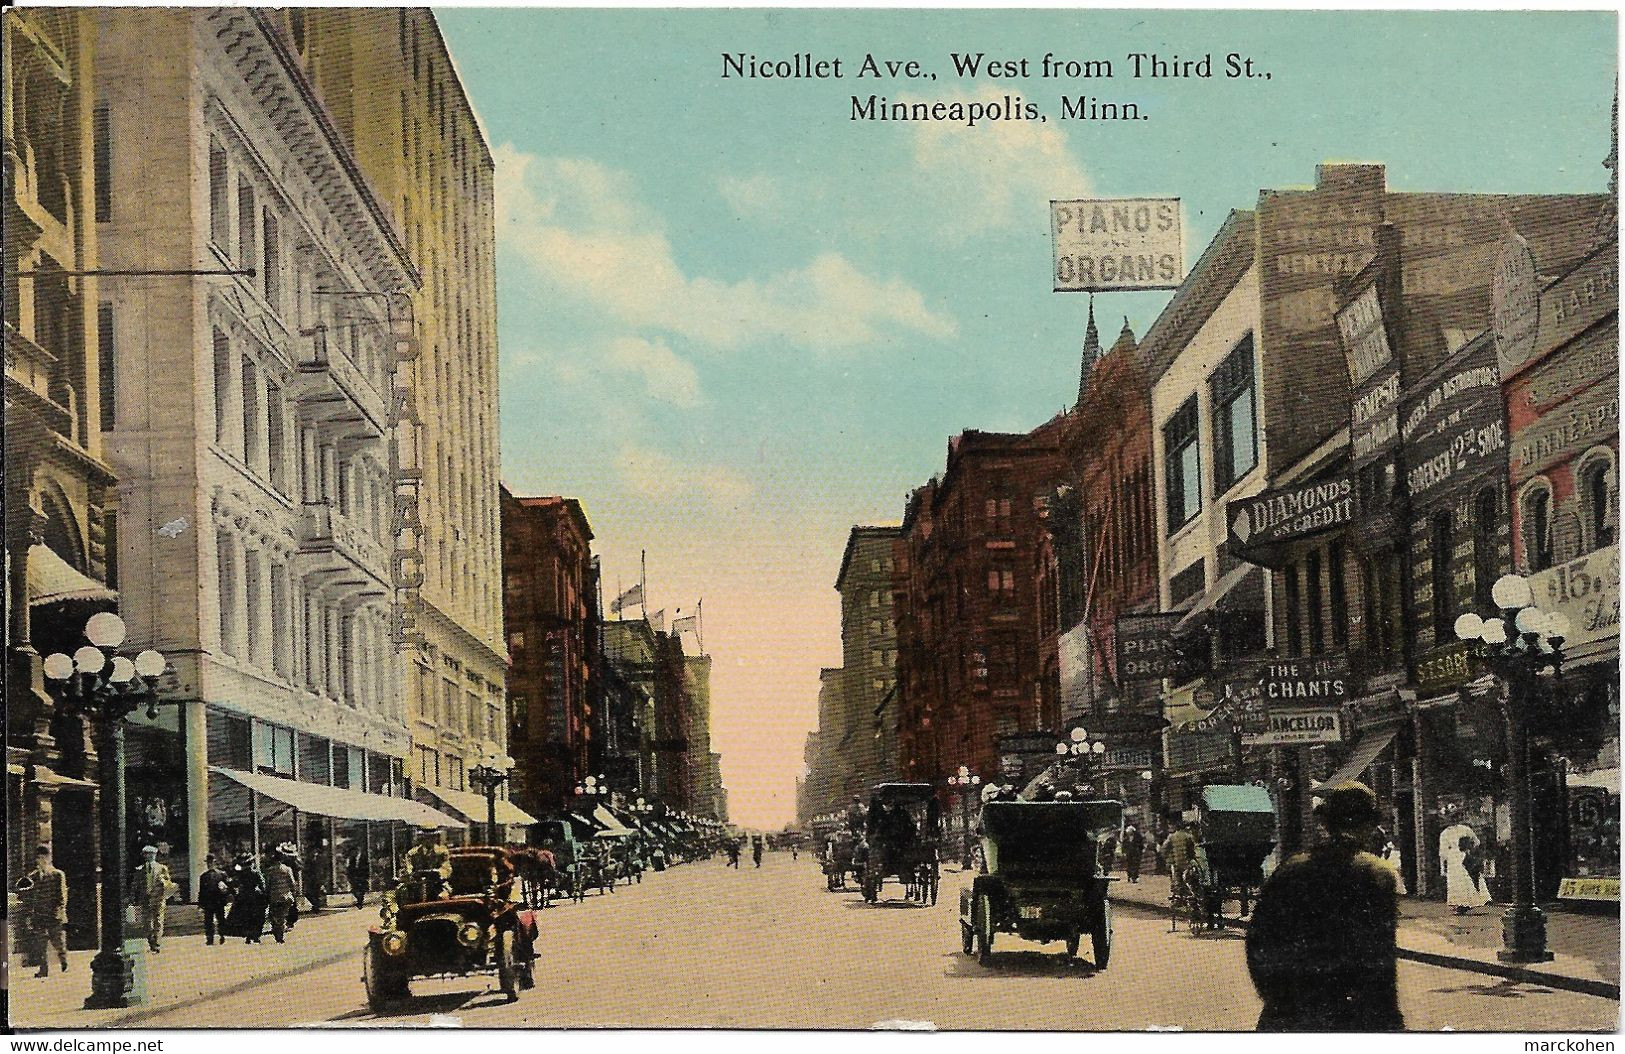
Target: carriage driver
[{"x": 427, "y": 855}]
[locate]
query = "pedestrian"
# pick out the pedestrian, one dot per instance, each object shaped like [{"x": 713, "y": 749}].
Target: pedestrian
[
  {"x": 733, "y": 853},
  {"x": 856, "y": 816},
  {"x": 213, "y": 897},
  {"x": 795, "y": 851},
  {"x": 756, "y": 851},
  {"x": 1108, "y": 847},
  {"x": 45, "y": 909},
  {"x": 281, "y": 891},
  {"x": 359, "y": 871},
  {"x": 1321, "y": 943},
  {"x": 316, "y": 879},
  {"x": 1179, "y": 851},
  {"x": 1133, "y": 852},
  {"x": 150, "y": 892},
  {"x": 1461, "y": 862}
]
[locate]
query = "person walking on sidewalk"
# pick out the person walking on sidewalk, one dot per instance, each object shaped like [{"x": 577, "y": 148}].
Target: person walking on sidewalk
[
  {"x": 756, "y": 850},
  {"x": 1179, "y": 850},
  {"x": 151, "y": 891},
  {"x": 45, "y": 909},
  {"x": 213, "y": 896},
  {"x": 281, "y": 891},
  {"x": 1461, "y": 862},
  {"x": 1133, "y": 852},
  {"x": 246, "y": 919},
  {"x": 1321, "y": 945},
  {"x": 358, "y": 871}
]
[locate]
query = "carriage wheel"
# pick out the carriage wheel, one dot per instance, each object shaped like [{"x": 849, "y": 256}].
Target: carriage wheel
[
  {"x": 1072, "y": 944},
  {"x": 1100, "y": 935}
]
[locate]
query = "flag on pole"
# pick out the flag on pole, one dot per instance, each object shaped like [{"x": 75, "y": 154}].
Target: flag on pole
[
  {"x": 686, "y": 623},
  {"x": 627, "y": 599},
  {"x": 657, "y": 621}
]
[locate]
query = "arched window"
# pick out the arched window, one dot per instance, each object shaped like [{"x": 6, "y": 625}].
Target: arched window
[
  {"x": 1537, "y": 526},
  {"x": 1595, "y": 482}
]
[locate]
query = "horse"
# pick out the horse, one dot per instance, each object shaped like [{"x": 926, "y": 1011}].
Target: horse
[{"x": 538, "y": 873}]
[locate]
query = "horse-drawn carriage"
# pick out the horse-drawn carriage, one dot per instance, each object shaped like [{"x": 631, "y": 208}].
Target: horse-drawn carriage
[
  {"x": 1237, "y": 825},
  {"x": 1042, "y": 878},
  {"x": 840, "y": 856},
  {"x": 903, "y": 831}
]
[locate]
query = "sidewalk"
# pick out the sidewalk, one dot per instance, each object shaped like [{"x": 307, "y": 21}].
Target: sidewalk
[
  {"x": 187, "y": 970},
  {"x": 1586, "y": 945}
]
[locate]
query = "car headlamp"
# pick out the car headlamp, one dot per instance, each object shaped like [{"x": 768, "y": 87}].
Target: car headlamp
[
  {"x": 469, "y": 934},
  {"x": 394, "y": 943}
]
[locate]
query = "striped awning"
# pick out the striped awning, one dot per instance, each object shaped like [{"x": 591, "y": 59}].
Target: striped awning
[
  {"x": 474, "y": 807},
  {"x": 341, "y": 803},
  {"x": 52, "y": 580}
]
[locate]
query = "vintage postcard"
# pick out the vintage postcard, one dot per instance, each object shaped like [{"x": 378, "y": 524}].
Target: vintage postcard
[{"x": 1062, "y": 520}]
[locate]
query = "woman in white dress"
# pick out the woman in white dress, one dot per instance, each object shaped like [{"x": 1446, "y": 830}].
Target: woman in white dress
[{"x": 1463, "y": 886}]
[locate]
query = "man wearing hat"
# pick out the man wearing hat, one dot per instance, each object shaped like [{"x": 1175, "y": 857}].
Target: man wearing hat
[
  {"x": 45, "y": 909},
  {"x": 281, "y": 891},
  {"x": 213, "y": 894},
  {"x": 150, "y": 891},
  {"x": 1320, "y": 947}
]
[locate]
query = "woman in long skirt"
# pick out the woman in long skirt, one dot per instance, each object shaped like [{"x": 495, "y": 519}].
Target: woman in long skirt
[
  {"x": 247, "y": 916},
  {"x": 1463, "y": 883}
]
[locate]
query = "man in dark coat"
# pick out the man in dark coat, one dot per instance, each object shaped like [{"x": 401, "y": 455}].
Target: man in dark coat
[
  {"x": 359, "y": 871},
  {"x": 45, "y": 909},
  {"x": 1133, "y": 852},
  {"x": 213, "y": 894},
  {"x": 1320, "y": 947}
]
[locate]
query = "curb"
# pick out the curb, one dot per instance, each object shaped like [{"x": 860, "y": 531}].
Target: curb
[{"x": 1527, "y": 975}]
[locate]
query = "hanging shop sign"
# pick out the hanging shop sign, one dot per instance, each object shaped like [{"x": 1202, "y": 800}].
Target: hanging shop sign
[
  {"x": 1146, "y": 650},
  {"x": 1125, "y": 759},
  {"x": 1455, "y": 426},
  {"x": 1109, "y": 244},
  {"x": 1279, "y": 516},
  {"x": 1298, "y": 727},
  {"x": 1514, "y": 304},
  {"x": 1246, "y": 697},
  {"x": 1444, "y": 668},
  {"x": 1586, "y": 592},
  {"x": 406, "y": 563},
  {"x": 1364, "y": 335},
  {"x": 1579, "y": 299},
  {"x": 1311, "y": 679},
  {"x": 1583, "y": 421},
  {"x": 1362, "y": 329}
]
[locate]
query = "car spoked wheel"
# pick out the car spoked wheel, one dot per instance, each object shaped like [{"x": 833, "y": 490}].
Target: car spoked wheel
[
  {"x": 982, "y": 918},
  {"x": 507, "y": 965}
]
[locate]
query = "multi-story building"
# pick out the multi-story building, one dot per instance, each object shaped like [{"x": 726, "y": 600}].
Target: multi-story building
[
  {"x": 252, "y": 431},
  {"x": 58, "y": 489},
  {"x": 389, "y": 82},
  {"x": 968, "y": 639},
  {"x": 704, "y": 771},
  {"x": 868, "y": 652},
  {"x": 636, "y": 671},
  {"x": 675, "y": 769},
  {"x": 550, "y": 612}
]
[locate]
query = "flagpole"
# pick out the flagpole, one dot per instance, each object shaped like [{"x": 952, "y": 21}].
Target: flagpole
[
  {"x": 643, "y": 583},
  {"x": 699, "y": 626},
  {"x": 620, "y": 609}
]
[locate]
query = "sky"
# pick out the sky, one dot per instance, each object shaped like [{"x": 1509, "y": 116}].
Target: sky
[{"x": 735, "y": 322}]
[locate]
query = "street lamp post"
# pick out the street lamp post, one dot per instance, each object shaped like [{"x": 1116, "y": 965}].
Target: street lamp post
[
  {"x": 1078, "y": 745},
  {"x": 1518, "y": 647},
  {"x": 593, "y": 788},
  {"x": 106, "y": 687},
  {"x": 965, "y": 782},
  {"x": 488, "y": 775}
]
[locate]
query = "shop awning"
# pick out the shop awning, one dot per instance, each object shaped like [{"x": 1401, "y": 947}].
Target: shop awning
[
  {"x": 339, "y": 802},
  {"x": 1364, "y": 753},
  {"x": 585, "y": 824},
  {"x": 473, "y": 807},
  {"x": 52, "y": 580},
  {"x": 613, "y": 828},
  {"x": 1602, "y": 779},
  {"x": 1215, "y": 596}
]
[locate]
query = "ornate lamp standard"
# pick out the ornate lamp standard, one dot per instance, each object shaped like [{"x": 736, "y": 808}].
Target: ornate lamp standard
[
  {"x": 488, "y": 775},
  {"x": 1078, "y": 745},
  {"x": 106, "y": 687},
  {"x": 1518, "y": 647},
  {"x": 965, "y": 782},
  {"x": 593, "y": 788}
]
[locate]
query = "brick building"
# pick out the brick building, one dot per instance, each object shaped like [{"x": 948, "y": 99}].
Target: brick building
[{"x": 550, "y": 612}]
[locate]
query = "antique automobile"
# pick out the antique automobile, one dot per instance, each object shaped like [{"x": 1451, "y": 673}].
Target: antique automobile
[
  {"x": 565, "y": 841},
  {"x": 838, "y": 857},
  {"x": 903, "y": 828},
  {"x": 1041, "y": 877},
  {"x": 473, "y": 923},
  {"x": 1237, "y": 835}
]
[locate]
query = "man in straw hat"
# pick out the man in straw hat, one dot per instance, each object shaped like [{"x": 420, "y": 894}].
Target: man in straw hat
[
  {"x": 1321, "y": 944},
  {"x": 149, "y": 892}
]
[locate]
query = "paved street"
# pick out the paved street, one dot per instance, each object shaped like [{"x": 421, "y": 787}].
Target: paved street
[{"x": 704, "y": 945}]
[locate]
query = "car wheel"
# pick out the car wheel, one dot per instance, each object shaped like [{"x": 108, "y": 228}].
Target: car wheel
[
  {"x": 1100, "y": 935},
  {"x": 507, "y": 965},
  {"x": 385, "y": 984},
  {"x": 983, "y": 918}
]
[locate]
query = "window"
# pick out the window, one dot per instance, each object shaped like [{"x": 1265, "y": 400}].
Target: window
[
  {"x": 1537, "y": 527},
  {"x": 1444, "y": 609},
  {"x": 246, "y": 226},
  {"x": 1339, "y": 597},
  {"x": 104, "y": 365},
  {"x": 1485, "y": 523},
  {"x": 227, "y": 583},
  {"x": 519, "y": 715},
  {"x": 219, "y": 194},
  {"x": 1316, "y": 610},
  {"x": 103, "y": 162},
  {"x": 1294, "y": 612},
  {"x": 253, "y": 592},
  {"x": 1597, "y": 501},
  {"x": 1182, "y": 466},
  {"x": 276, "y": 437},
  {"x": 271, "y": 272},
  {"x": 252, "y": 437},
  {"x": 1235, "y": 440},
  {"x": 224, "y": 369}
]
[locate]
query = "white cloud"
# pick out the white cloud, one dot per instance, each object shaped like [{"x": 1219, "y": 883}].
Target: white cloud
[
  {"x": 656, "y": 475},
  {"x": 666, "y": 376},
  {"x": 996, "y": 175},
  {"x": 582, "y": 228},
  {"x": 754, "y": 196}
]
